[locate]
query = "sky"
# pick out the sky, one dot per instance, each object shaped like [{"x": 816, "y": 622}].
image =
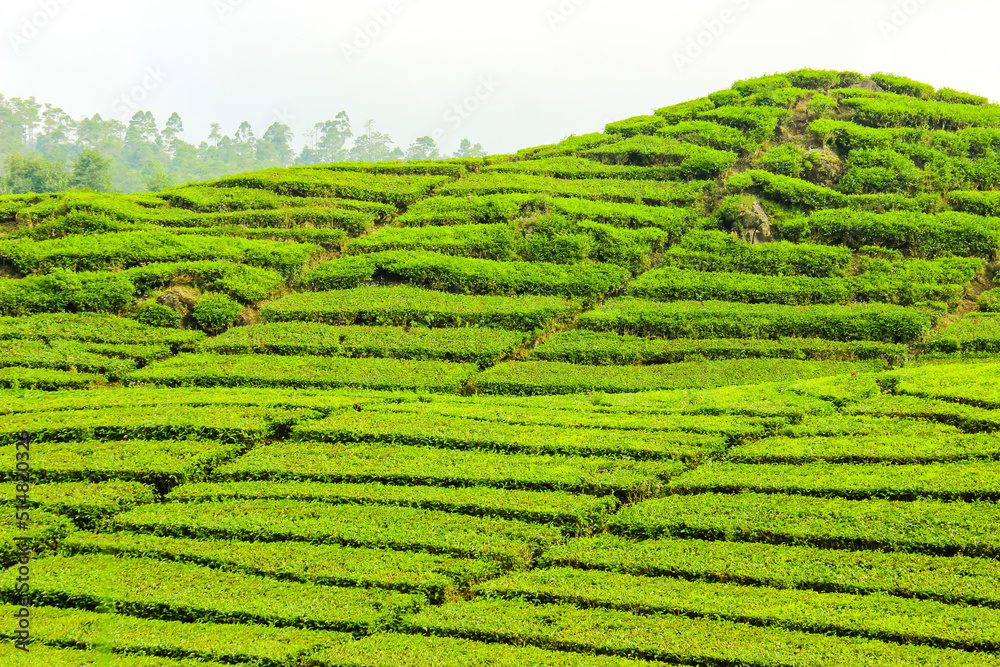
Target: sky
[{"x": 509, "y": 74}]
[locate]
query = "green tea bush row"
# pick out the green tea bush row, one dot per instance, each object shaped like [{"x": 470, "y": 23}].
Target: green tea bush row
[
  {"x": 464, "y": 345},
  {"x": 491, "y": 209},
  {"x": 989, "y": 301},
  {"x": 17, "y": 377},
  {"x": 215, "y": 199},
  {"x": 874, "y": 616},
  {"x": 710, "y": 135},
  {"x": 576, "y": 512},
  {"x": 453, "y": 431},
  {"x": 685, "y": 111},
  {"x": 142, "y": 354},
  {"x": 510, "y": 543},
  {"x": 652, "y": 193},
  {"x": 978, "y": 203},
  {"x": 888, "y": 110},
  {"x": 623, "y": 415},
  {"x": 956, "y": 579},
  {"x": 693, "y": 161},
  {"x": 581, "y": 167},
  {"x": 195, "y": 594},
  {"x": 329, "y": 565},
  {"x": 914, "y": 233},
  {"x": 668, "y": 637},
  {"x": 942, "y": 481},
  {"x": 432, "y": 466},
  {"x": 968, "y": 417},
  {"x": 247, "y": 284},
  {"x": 601, "y": 349},
  {"x": 45, "y": 531},
  {"x": 901, "y": 85},
  {"x": 637, "y": 125},
  {"x": 239, "y": 424},
  {"x": 757, "y": 123},
  {"x": 253, "y": 370},
  {"x": 61, "y": 355},
  {"x": 40, "y": 655},
  {"x": 718, "y": 251},
  {"x": 568, "y": 146},
  {"x": 409, "y": 167},
  {"x": 396, "y": 190},
  {"x": 225, "y": 642},
  {"x": 939, "y": 528},
  {"x": 86, "y": 503},
  {"x": 94, "y": 328},
  {"x": 410, "y": 306},
  {"x": 974, "y": 333},
  {"x": 469, "y": 275},
  {"x": 528, "y": 378},
  {"x": 901, "y": 450},
  {"x": 718, "y": 319},
  {"x": 970, "y": 384},
  {"x": 64, "y": 290},
  {"x": 486, "y": 241},
  {"x": 674, "y": 221},
  {"x": 158, "y": 463},
  {"x": 127, "y": 249},
  {"x": 673, "y": 284},
  {"x": 412, "y": 650}
]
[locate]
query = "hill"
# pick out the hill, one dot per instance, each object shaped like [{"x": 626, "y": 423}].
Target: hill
[{"x": 713, "y": 386}]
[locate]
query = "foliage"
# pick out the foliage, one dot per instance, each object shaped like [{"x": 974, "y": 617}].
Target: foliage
[
  {"x": 717, "y": 319},
  {"x": 482, "y": 346},
  {"x": 398, "y": 306},
  {"x": 588, "y": 347},
  {"x": 232, "y": 370}
]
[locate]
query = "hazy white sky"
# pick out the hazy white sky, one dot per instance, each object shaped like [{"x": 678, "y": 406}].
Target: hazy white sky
[{"x": 508, "y": 74}]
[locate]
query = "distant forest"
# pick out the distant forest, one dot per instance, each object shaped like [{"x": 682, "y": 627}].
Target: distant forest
[{"x": 43, "y": 149}]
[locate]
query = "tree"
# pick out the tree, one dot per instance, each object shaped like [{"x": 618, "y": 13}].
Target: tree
[
  {"x": 423, "y": 148},
  {"x": 215, "y": 134},
  {"x": 466, "y": 149},
  {"x": 329, "y": 139},
  {"x": 91, "y": 171},
  {"x": 156, "y": 177},
  {"x": 273, "y": 148},
  {"x": 373, "y": 146},
  {"x": 33, "y": 173},
  {"x": 172, "y": 132}
]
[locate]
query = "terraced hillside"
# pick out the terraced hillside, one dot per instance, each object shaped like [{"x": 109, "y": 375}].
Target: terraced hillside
[{"x": 714, "y": 386}]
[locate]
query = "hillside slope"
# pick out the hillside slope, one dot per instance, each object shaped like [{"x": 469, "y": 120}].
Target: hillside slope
[{"x": 712, "y": 386}]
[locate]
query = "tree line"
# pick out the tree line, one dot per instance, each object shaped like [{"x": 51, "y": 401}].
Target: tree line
[{"x": 43, "y": 149}]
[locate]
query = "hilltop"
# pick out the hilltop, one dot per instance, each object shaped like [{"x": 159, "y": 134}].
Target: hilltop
[{"x": 713, "y": 385}]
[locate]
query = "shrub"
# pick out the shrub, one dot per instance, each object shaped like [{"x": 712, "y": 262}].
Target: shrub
[
  {"x": 957, "y": 97},
  {"x": 786, "y": 160},
  {"x": 903, "y": 86},
  {"x": 708, "y": 134},
  {"x": 155, "y": 314},
  {"x": 685, "y": 110},
  {"x": 758, "y": 123},
  {"x": 989, "y": 301},
  {"x": 635, "y": 126},
  {"x": 216, "y": 312},
  {"x": 716, "y": 319}
]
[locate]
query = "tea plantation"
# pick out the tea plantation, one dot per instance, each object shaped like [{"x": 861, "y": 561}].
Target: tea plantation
[{"x": 716, "y": 386}]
